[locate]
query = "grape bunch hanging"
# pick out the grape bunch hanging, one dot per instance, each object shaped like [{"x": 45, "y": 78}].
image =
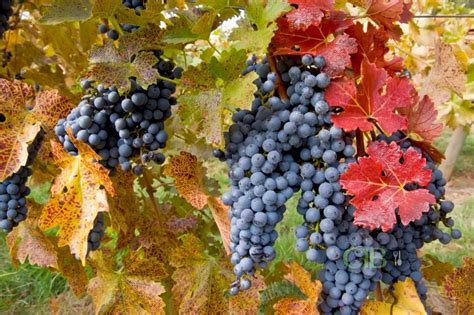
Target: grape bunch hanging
[
  {"x": 6, "y": 12},
  {"x": 13, "y": 190},
  {"x": 287, "y": 143},
  {"x": 137, "y": 6}
]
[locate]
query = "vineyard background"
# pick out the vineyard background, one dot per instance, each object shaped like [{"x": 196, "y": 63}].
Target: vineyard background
[{"x": 27, "y": 288}]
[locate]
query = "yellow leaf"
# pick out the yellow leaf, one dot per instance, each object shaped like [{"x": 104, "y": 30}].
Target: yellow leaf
[
  {"x": 435, "y": 270},
  {"x": 121, "y": 293},
  {"x": 302, "y": 279},
  {"x": 66, "y": 11},
  {"x": 200, "y": 280},
  {"x": 407, "y": 302},
  {"x": 78, "y": 194}
]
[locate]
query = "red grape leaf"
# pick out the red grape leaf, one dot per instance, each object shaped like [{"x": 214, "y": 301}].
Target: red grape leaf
[
  {"x": 387, "y": 12},
  {"x": 377, "y": 183},
  {"x": 308, "y": 12},
  {"x": 372, "y": 45},
  {"x": 374, "y": 100},
  {"x": 421, "y": 119},
  {"x": 318, "y": 40}
]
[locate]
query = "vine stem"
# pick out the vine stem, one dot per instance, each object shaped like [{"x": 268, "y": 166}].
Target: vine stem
[
  {"x": 360, "y": 143},
  {"x": 213, "y": 47},
  {"x": 151, "y": 194},
  {"x": 116, "y": 25},
  {"x": 280, "y": 87},
  {"x": 378, "y": 292},
  {"x": 168, "y": 79}
]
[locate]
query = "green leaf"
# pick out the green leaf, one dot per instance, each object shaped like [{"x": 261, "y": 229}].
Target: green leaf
[
  {"x": 262, "y": 12},
  {"x": 239, "y": 93},
  {"x": 253, "y": 41},
  {"x": 61, "y": 11},
  {"x": 230, "y": 64}
]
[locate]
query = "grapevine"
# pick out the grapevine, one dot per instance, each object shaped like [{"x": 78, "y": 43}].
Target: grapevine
[{"x": 326, "y": 193}]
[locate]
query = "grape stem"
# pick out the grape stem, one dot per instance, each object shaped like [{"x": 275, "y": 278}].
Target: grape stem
[
  {"x": 167, "y": 79},
  {"x": 280, "y": 87},
  {"x": 378, "y": 292},
  {"x": 151, "y": 194}
]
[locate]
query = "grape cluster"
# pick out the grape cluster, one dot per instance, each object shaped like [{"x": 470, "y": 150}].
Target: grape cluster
[
  {"x": 138, "y": 6},
  {"x": 13, "y": 191},
  {"x": 5, "y": 12},
  {"x": 96, "y": 234},
  {"x": 264, "y": 150},
  {"x": 121, "y": 127},
  {"x": 402, "y": 242}
]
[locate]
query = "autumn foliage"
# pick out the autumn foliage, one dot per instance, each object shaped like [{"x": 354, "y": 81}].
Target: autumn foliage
[{"x": 166, "y": 245}]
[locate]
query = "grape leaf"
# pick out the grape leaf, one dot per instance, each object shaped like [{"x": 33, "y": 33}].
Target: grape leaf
[
  {"x": 26, "y": 241},
  {"x": 256, "y": 31},
  {"x": 17, "y": 127},
  {"x": 202, "y": 106},
  {"x": 435, "y": 270},
  {"x": 114, "y": 9},
  {"x": 386, "y": 13},
  {"x": 220, "y": 214},
  {"x": 189, "y": 176},
  {"x": 421, "y": 120},
  {"x": 373, "y": 101},
  {"x": 21, "y": 118},
  {"x": 311, "y": 289},
  {"x": 458, "y": 284},
  {"x": 377, "y": 183},
  {"x": 61, "y": 11},
  {"x": 123, "y": 293},
  {"x": 407, "y": 302},
  {"x": 200, "y": 279},
  {"x": 114, "y": 66},
  {"x": 323, "y": 39},
  {"x": 248, "y": 301},
  {"x": 78, "y": 194},
  {"x": 446, "y": 76},
  {"x": 307, "y": 13},
  {"x": 372, "y": 45}
]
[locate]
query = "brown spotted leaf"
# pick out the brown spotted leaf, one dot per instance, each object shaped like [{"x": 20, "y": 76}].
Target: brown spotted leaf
[
  {"x": 248, "y": 302},
  {"x": 219, "y": 212},
  {"x": 78, "y": 194},
  {"x": 50, "y": 106},
  {"x": 406, "y": 302},
  {"x": 188, "y": 174},
  {"x": 26, "y": 241},
  {"x": 113, "y": 65},
  {"x": 302, "y": 279},
  {"x": 72, "y": 270},
  {"x": 445, "y": 77},
  {"x": 18, "y": 128},
  {"x": 458, "y": 285}
]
